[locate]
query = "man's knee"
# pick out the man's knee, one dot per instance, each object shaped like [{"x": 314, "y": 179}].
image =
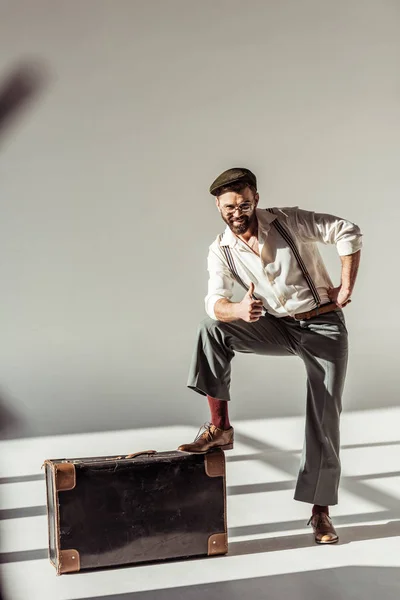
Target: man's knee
[{"x": 209, "y": 326}]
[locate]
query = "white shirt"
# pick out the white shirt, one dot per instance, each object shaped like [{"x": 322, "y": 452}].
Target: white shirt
[{"x": 278, "y": 280}]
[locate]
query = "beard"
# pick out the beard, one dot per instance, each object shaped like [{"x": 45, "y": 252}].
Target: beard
[{"x": 239, "y": 225}]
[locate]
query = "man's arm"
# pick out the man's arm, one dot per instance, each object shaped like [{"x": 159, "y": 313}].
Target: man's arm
[
  {"x": 220, "y": 282},
  {"x": 341, "y": 294},
  {"x": 350, "y": 264},
  {"x": 248, "y": 309},
  {"x": 330, "y": 229},
  {"x": 225, "y": 310},
  {"x": 220, "y": 290}
]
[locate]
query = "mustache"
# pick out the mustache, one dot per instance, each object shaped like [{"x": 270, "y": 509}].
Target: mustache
[
  {"x": 240, "y": 219},
  {"x": 240, "y": 224}
]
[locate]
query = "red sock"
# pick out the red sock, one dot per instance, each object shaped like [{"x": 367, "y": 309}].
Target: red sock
[
  {"x": 318, "y": 509},
  {"x": 219, "y": 413}
]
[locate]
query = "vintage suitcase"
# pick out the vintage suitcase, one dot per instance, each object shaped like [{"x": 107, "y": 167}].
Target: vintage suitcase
[{"x": 150, "y": 506}]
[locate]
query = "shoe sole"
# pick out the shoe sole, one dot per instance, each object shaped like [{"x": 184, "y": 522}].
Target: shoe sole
[
  {"x": 324, "y": 543},
  {"x": 226, "y": 447}
]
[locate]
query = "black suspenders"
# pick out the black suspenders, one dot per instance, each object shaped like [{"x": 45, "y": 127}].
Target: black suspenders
[
  {"x": 231, "y": 264},
  {"x": 290, "y": 242}
]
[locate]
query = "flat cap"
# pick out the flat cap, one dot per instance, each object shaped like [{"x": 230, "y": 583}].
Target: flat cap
[{"x": 233, "y": 176}]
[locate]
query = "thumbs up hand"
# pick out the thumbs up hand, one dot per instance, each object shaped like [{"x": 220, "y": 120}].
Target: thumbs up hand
[
  {"x": 250, "y": 291},
  {"x": 250, "y": 310}
]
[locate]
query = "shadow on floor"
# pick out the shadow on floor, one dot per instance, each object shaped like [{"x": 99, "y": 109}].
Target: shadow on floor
[
  {"x": 346, "y": 535},
  {"x": 357, "y": 583}
]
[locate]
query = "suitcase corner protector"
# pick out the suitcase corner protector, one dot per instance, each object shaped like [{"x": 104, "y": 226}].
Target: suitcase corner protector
[
  {"x": 65, "y": 476},
  {"x": 217, "y": 544},
  {"x": 214, "y": 464},
  {"x": 69, "y": 562}
]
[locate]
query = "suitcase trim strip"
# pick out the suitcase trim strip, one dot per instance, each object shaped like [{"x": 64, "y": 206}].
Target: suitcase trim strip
[
  {"x": 57, "y": 564},
  {"x": 64, "y": 477},
  {"x": 48, "y": 516}
]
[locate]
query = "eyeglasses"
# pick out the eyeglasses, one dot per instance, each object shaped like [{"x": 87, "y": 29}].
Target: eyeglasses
[{"x": 245, "y": 207}]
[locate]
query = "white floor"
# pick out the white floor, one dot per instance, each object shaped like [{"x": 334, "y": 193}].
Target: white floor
[{"x": 272, "y": 553}]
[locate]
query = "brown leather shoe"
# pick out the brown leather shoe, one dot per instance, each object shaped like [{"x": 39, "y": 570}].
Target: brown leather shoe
[
  {"x": 211, "y": 438},
  {"x": 324, "y": 531}
]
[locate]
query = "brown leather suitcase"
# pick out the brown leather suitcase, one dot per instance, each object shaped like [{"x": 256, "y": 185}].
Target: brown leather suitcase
[{"x": 152, "y": 506}]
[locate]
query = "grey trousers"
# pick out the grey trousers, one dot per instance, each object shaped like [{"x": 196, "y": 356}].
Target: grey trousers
[{"x": 321, "y": 342}]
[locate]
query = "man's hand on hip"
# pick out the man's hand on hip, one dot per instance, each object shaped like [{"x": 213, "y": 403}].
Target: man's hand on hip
[{"x": 339, "y": 296}]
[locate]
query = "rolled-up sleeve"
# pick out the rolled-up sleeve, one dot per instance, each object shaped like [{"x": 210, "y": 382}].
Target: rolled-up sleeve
[
  {"x": 328, "y": 229},
  {"x": 220, "y": 282}
]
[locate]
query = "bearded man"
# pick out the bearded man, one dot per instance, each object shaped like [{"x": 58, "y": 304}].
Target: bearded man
[{"x": 290, "y": 308}]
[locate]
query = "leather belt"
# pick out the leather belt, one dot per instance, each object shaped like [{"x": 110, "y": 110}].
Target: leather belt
[{"x": 325, "y": 308}]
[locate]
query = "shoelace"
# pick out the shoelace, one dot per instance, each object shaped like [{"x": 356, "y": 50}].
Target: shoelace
[
  {"x": 319, "y": 520},
  {"x": 207, "y": 433}
]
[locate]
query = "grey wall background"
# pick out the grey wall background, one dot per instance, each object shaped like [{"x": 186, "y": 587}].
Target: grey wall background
[{"x": 105, "y": 214}]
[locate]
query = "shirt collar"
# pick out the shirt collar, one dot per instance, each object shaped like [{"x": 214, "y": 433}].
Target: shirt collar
[{"x": 264, "y": 218}]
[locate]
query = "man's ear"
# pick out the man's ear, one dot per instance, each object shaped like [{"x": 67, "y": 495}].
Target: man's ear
[
  {"x": 256, "y": 198},
  {"x": 217, "y": 203}
]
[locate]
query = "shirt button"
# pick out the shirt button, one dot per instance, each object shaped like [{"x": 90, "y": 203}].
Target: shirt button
[{"x": 282, "y": 299}]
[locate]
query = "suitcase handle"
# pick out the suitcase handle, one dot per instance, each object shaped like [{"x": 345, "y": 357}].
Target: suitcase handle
[
  {"x": 132, "y": 455},
  {"x": 142, "y": 452}
]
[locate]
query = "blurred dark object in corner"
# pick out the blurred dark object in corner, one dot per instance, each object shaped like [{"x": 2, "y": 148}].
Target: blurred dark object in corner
[
  {"x": 18, "y": 88},
  {"x": 12, "y": 424}
]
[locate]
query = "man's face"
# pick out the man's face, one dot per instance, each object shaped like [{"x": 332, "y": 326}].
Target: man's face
[{"x": 238, "y": 209}]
